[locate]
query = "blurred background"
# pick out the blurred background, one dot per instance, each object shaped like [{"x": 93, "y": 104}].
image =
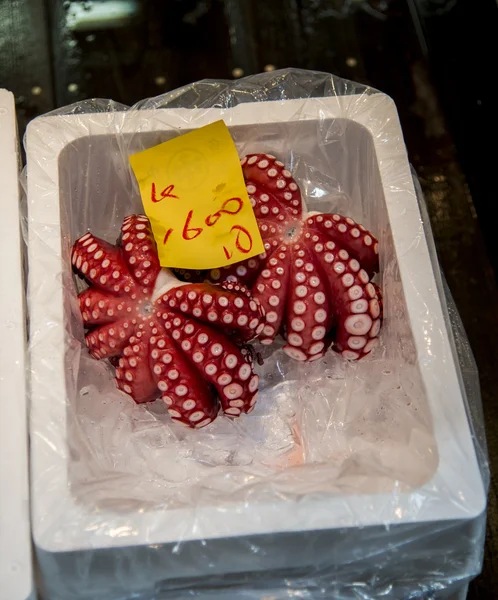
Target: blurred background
[{"x": 436, "y": 58}]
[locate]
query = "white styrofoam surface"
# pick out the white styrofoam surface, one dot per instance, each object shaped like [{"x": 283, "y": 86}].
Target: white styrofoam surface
[
  {"x": 455, "y": 490},
  {"x": 15, "y": 540}
]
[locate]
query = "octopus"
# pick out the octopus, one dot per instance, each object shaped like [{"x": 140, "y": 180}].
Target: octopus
[
  {"x": 314, "y": 278},
  {"x": 183, "y": 342}
]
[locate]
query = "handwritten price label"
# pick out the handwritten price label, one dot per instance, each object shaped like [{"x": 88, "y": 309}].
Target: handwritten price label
[{"x": 194, "y": 194}]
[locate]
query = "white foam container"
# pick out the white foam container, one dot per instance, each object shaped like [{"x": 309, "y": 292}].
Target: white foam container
[
  {"x": 16, "y": 581},
  {"x": 455, "y": 489}
]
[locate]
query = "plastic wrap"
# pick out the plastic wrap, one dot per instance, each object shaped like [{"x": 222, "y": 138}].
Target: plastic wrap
[{"x": 350, "y": 479}]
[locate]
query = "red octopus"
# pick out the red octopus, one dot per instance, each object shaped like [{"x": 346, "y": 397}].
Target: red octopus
[
  {"x": 313, "y": 281},
  {"x": 167, "y": 337}
]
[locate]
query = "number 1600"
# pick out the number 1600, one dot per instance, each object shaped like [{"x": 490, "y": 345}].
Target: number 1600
[{"x": 232, "y": 206}]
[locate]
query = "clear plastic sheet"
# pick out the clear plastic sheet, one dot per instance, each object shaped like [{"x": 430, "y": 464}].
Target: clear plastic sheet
[{"x": 349, "y": 480}]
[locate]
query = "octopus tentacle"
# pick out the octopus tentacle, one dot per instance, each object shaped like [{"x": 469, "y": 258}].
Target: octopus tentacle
[
  {"x": 351, "y": 236},
  {"x": 110, "y": 339},
  {"x": 245, "y": 271},
  {"x": 192, "y": 275},
  {"x": 274, "y": 194},
  {"x": 309, "y": 314},
  {"x": 139, "y": 251},
  {"x": 213, "y": 304},
  {"x": 98, "y": 307},
  {"x": 102, "y": 265},
  {"x": 233, "y": 284},
  {"x": 218, "y": 360},
  {"x": 133, "y": 374},
  {"x": 272, "y": 235},
  {"x": 381, "y": 300},
  {"x": 270, "y": 290},
  {"x": 188, "y": 397},
  {"x": 354, "y": 299}
]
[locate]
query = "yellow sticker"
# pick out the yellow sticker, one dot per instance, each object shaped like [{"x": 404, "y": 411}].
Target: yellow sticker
[{"x": 194, "y": 194}]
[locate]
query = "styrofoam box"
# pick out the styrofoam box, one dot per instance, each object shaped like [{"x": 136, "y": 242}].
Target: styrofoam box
[
  {"x": 15, "y": 539},
  {"x": 455, "y": 488}
]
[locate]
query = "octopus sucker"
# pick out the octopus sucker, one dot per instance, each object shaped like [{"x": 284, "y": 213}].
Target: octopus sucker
[{"x": 169, "y": 338}]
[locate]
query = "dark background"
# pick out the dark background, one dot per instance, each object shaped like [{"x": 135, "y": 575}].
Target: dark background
[{"x": 436, "y": 58}]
